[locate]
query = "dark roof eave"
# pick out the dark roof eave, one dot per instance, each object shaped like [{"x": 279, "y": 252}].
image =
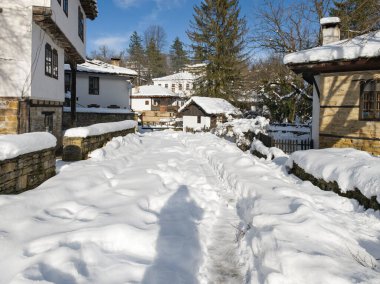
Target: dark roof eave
[{"x": 90, "y": 8}]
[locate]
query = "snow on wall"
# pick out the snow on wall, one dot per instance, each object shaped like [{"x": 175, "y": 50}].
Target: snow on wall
[
  {"x": 350, "y": 168},
  {"x": 12, "y": 146},
  {"x": 270, "y": 153},
  {"x": 100, "y": 128}
]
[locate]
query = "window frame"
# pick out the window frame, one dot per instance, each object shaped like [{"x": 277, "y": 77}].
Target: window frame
[
  {"x": 93, "y": 86},
  {"x": 48, "y": 60},
  {"x": 146, "y": 102},
  {"x": 65, "y": 7},
  {"x": 199, "y": 119},
  {"x": 80, "y": 24},
  {"x": 368, "y": 98},
  {"x": 54, "y": 64}
]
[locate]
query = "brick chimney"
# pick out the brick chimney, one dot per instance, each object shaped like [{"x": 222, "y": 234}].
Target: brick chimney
[
  {"x": 115, "y": 61},
  {"x": 330, "y": 30}
]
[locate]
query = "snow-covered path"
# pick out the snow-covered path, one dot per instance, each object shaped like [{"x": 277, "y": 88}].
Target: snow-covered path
[{"x": 170, "y": 207}]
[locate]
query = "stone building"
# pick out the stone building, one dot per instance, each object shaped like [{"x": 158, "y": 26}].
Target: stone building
[
  {"x": 345, "y": 75},
  {"x": 37, "y": 38}
]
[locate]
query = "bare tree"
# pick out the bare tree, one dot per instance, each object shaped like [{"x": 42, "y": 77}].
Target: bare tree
[{"x": 156, "y": 34}]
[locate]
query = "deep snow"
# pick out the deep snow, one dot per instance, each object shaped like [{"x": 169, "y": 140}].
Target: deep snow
[{"x": 170, "y": 207}]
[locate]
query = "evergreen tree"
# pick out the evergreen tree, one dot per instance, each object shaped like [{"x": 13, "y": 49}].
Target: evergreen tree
[
  {"x": 178, "y": 55},
  {"x": 136, "y": 54},
  {"x": 357, "y": 16},
  {"x": 156, "y": 61},
  {"x": 217, "y": 34}
]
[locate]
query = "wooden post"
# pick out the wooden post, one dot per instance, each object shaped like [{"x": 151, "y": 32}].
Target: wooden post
[{"x": 73, "y": 99}]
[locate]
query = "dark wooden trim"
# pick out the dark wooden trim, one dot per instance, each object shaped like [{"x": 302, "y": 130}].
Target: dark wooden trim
[
  {"x": 90, "y": 8},
  {"x": 345, "y": 106},
  {"x": 349, "y": 137},
  {"x": 316, "y": 87}
]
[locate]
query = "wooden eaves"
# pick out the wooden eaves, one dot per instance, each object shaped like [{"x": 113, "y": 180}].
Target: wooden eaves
[{"x": 90, "y": 8}]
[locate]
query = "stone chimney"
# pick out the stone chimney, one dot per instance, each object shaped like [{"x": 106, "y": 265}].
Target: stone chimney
[
  {"x": 330, "y": 30},
  {"x": 115, "y": 61}
]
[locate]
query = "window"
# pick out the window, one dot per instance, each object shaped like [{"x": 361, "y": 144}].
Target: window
[
  {"x": 156, "y": 102},
  {"x": 187, "y": 86},
  {"x": 55, "y": 64},
  {"x": 173, "y": 87},
  {"x": 93, "y": 88},
  {"x": 180, "y": 87},
  {"x": 198, "y": 119},
  {"x": 48, "y": 60},
  {"x": 66, "y": 7},
  {"x": 67, "y": 82},
  {"x": 80, "y": 24},
  {"x": 159, "y": 85},
  {"x": 370, "y": 100},
  {"x": 166, "y": 86},
  {"x": 146, "y": 103},
  {"x": 48, "y": 120}
]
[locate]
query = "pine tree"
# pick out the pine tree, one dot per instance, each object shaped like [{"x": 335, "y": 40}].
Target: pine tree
[
  {"x": 136, "y": 54},
  {"x": 357, "y": 16},
  {"x": 217, "y": 34},
  {"x": 178, "y": 55},
  {"x": 155, "y": 61}
]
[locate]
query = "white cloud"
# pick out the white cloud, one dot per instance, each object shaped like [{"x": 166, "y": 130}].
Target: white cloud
[
  {"x": 116, "y": 43},
  {"x": 126, "y": 3}
]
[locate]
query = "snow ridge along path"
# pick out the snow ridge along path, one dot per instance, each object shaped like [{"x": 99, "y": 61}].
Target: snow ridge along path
[{"x": 162, "y": 207}]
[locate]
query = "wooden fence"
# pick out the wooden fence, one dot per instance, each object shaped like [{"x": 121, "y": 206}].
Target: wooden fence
[{"x": 288, "y": 146}]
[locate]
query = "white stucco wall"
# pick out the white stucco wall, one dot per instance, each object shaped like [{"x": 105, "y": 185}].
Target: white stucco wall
[
  {"x": 316, "y": 113},
  {"x": 191, "y": 122},
  {"x": 113, "y": 90},
  {"x": 69, "y": 24},
  {"x": 15, "y": 48},
  {"x": 45, "y": 87},
  {"x": 139, "y": 104},
  {"x": 188, "y": 93}
]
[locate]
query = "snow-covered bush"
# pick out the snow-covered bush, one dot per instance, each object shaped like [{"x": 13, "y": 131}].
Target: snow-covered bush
[
  {"x": 269, "y": 153},
  {"x": 242, "y": 131}
]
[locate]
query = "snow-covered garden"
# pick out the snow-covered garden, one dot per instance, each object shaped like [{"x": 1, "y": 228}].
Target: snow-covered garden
[{"x": 173, "y": 207}]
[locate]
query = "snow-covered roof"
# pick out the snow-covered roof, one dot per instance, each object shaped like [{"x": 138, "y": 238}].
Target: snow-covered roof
[
  {"x": 364, "y": 46},
  {"x": 178, "y": 77},
  {"x": 100, "y": 67},
  {"x": 329, "y": 20},
  {"x": 212, "y": 105},
  {"x": 152, "y": 91}
]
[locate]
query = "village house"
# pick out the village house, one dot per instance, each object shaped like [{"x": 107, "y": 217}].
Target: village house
[
  {"x": 155, "y": 104},
  {"x": 102, "y": 85},
  {"x": 37, "y": 38},
  {"x": 204, "y": 113},
  {"x": 181, "y": 83},
  {"x": 345, "y": 75}
]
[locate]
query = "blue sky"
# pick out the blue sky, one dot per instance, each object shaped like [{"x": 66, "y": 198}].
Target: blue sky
[{"x": 119, "y": 18}]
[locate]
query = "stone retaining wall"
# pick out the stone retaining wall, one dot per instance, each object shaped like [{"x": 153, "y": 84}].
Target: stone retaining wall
[
  {"x": 87, "y": 118},
  {"x": 78, "y": 148},
  {"x": 333, "y": 186},
  {"x": 26, "y": 171}
]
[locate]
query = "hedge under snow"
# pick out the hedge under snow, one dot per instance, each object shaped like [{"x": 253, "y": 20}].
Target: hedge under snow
[
  {"x": 271, "y": 153},
  {"x": 99, "y": 129},
  {"x": 348, "y": 167},
  {"x": 14, "y": 145}
]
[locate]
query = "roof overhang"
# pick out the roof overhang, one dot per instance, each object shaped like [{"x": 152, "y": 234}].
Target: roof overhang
[
  {"x": 42, "y": 16},
  {"x": 308, "y": 70},
  {"x": 90, "y": 8}
]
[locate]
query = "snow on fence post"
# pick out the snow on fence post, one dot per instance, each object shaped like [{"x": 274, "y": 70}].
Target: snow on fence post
[
  {"x": 79, "y": 142},
  {"x": 26, "y": 161}
]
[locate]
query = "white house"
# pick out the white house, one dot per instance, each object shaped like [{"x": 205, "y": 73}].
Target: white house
[
  {"x": 181, "y": 83},
  {"x": 103, "y": 85},
  {"x": 37, "y": 37},
  {"x": 205, "y": 112},
  {"x": 155, "y": 103}
]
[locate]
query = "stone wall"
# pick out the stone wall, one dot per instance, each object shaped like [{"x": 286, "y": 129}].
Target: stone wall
[
  {"x": 333, "y": 186},
  {"x": 340, "y": 122},
  {"x": 9, "y": 108},
  {"x": 78, "y": 148},
  {"x": 87, "y": 119},
  {"x": 26, "y": 171}
]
